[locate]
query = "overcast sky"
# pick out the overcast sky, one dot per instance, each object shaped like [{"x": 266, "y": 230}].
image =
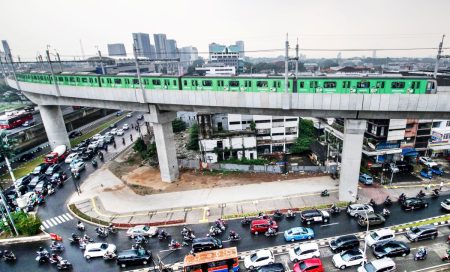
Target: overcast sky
[{"x": 29, "y": 26}]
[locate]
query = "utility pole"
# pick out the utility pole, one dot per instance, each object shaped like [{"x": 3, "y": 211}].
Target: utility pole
[
  {"x": 41, "y": 61},
  {"x": 296, "y": 59},
  {"x": 2, "y": 196},
  {"x": 286, "y": 62},
  {"x": 14, "y": 70},
  {"x": 3, "y": 68},
  {"x": 436, "y": 66},
  {"x": 101, "y": 60},
  {"x": 51, "y": 71},
  {"x": 59, "y": 61}
]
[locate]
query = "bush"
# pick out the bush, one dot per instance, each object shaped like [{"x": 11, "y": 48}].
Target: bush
[
  {"x": 144, "y": 150},
  {"x": 26, "y": 224},
  {"x": 178, "y": 125},
  {"x": 193, "y": 138}
]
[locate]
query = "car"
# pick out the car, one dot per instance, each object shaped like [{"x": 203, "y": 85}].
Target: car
[
  {"x": 356, "y": 209},
  {"x": 393, "y": 167},
  {"x": 40, "y": 169},
  {"x": 422, "y": 233},
  {"x": 379, "y": 236},
  {"x": 98, "y": 250},
  {"x": 23, "y": 181},
  {"x": 29, "y": 198},
  {"x": 113, "y": 131},
  {"x": 109, "y": 139},
  {"x": 427, "y": 161},
  {"x": 381, "y": 265},
  {"x": 71, "y": 157},
  {"x": 41, "y": 187},
  {"x": 366, "y": 179},
  {"x": 28, "y": 123},
  {"x": 205, "y": 244},
  {"x": 87, "y": 155},
  {"x": 414, "y": 203},
  {"x": 313, "y": 216},
  {"x": 275, "y": 267},
  {"x": 259, "y": 258},
  {"x": 58, "y": 176},
  {"x": 298, "y": 234},
  {"x": 372, "y": 218},
  {"x": 120, "y": 132},
  {"x": 262, "y": 225},
  {"x": 133, "y": 257},
  {"x": 26, "y": 157},
  {"x": 96, "y": 137},
  {"x": 446, "y": 204},
  {"x": 391, "y": 248},
  {"x": 304, "y": 251},
  {"x": 404, "y": 167},
  {"x": 140, "y": 117},
  {"x": 348, "y": 258},
  {"x": 125, "y": 127},
  {"x": 78, "y": 149},
  {"x": 344, "y": 243},
  {"x": 437, "y": 170},
  {"x": 35, "y": 180},
  {"x": 113, "y": 125},
  {"x": 75, "y": 161},
  {"x": 52, "y": 169},
  {"x": 75, "y": 133},
  {"x": 309, "y": 265},
  {"x": 93, "y": 145},
  {"x": 119, "y": 113},
  {"x": 129, "y": 114},
  {"x": 142, "y": 230},
  {"x": 78, "y": 167},
  {"x": 29, "y": 108},
  {"x": 426, "y": 173}
]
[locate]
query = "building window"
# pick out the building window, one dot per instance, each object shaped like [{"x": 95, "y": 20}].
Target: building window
[
  {"x": 262, "y": 121},
  {"x": 277, "y": 134},
  {"x": 448, "y": 124},
  {"x": 277, "y": 120},
  {"x": 235, "y": 123},
  {"x": 219, "y": 144},
  {"x": 291, "y": 119}
]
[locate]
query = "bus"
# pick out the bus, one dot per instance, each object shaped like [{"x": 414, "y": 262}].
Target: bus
[
  {"x": 220, "y": 260},
  {"x": 15, "y": 119}
]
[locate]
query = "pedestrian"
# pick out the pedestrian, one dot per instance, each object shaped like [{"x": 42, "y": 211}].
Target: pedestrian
[
  {"x": 106, "y": 147},
  {"x": 428, "y": 186},
  {"x": 131, "y": 137},
  {"x": 114, "y": 144},
  {"x": 123, "y": 141},
  {"x": 441, "y": 186},
  {"x": 132, "y": 126}
]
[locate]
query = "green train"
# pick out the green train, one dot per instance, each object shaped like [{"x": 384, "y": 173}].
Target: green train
[{"x": 311, "y": 84}]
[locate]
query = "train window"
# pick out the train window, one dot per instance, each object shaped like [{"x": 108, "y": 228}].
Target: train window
[
  {"x": 127, "y": 81},
  {"x": 220, "y": 83},
  {"x": 313, "y": 84},
  {"x": 60, "y": 79},
  {"x": 262, "y": 84},
  {"x": 185, "y": 82},
  {"x": 302, "y": 84},
  {"x": 146, "y": 81},
  {"x": 156, "y": 82},
  {"x": 345, "y": 84},
  {"x": 72, "y": 79},
  {"x": 249, "y": 83},
  {"x": 41, "y": 77},
  {"x": 78, "y": 79},
  {"x": 329, "y": 84},
  {"x": 234, "y": 83},
  {"x": 413, "y": 84},
  {"x": 380, "y": 84},
  {"x": 108, "y": 80},
  {"x": 135, "y": 81},
  {"x": 117, "y": 81},
  {"x": 90, "y": 80},
  {"x": 398, "y": 85},
  {"x": 84, "y": 80},
  {"x": 417, "y": 84},
  {"x": 363, "y": 84},
  {"x": 194, "y": 82},
  {"x": 207, "y": 83},
  {"x": 174, "y": 82},
  {"x": 166, "y": 82}
]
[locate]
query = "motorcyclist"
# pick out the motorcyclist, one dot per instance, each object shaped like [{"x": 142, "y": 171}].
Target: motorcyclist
[
  {"x": 233, "y": 234},
  {"x": 163, "y": 234},
  {"x": 290, "y": 213},
  {"x": 270, "y": 231},
  {"x": 386, "y": 212},
  {"x": 173, "y": 244},
  {"x": 80, "y": 225},
  {"x": 421, "y": 193},
  {"x": 422, "y": 252},
  {"x": 436, "y": 191},
  {"x": 55, "y": 258},
  {"x": 7, "y": 254},
  {"x": 42, "y": 252},
  {"x": 139, "y": 239}
]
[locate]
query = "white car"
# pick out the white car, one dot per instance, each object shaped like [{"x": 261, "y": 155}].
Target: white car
[
  {"x": 71, "y": 157},
  {"x": 381, "y": 265},
  {"x": 142, "y": 230},
  {"x": 113, "y": 131},
  {"x": 93, "y": 145},
  {"x": 98, "y": 250},
  {"x": 96, "y": 136},
  {"x": 259, "y": 258},
  {"x": 129, "y": 114},
  {"x": 446, "y": 204},
  {"x": 379, "y": 236},
  {"x": 119, "y": 132},
  {"x": 125, "y": 127},
  {"x": 348, "y": 258},
  {"x": 78, "y": 167},
  {"x": 357, "y": 209},
  {"x": 304, "y": 251},
  {"x": 427, "y": 161}
]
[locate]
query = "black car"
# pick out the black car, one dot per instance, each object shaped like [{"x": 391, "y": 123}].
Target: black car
[
  {"x": 422, "y": 233},
  {"x": 414, "y": 203},
  {"x": 391, "y": 248},
  {"x": 344, "y": 243},
  {"x": 372, "y": 218},
  {"x": 75, "y": 133},
  {"x": 134, "y": 257},
  {"x": 313, "y": 216},
  {"x": 275, "y": 267},
  {"x": 23, "y": 181},
  {"x": 35, "y": 180},
  {"x": 404, "y": 167},
  {"x": 52, "y": 169},
  {"x": 206, "y": 243},
  {"x": 113, "y": 125},
  {"x": 26, "y": 157},
  {"x": 87, "y": 155},
  {"x": 40, "y": 169},
  {"x": 140, "y": 117}
]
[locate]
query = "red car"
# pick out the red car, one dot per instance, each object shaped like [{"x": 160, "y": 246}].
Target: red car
[
  {"x": 309, "y": 265},
  {"x": 262, "y": 225}
]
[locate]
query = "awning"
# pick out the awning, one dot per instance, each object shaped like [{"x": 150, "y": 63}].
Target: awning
[
  {"x": 409, "y": 152},
  {"x": 439, "y": 147}
]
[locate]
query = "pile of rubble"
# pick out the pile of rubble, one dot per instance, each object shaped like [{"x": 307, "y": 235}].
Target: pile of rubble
[{"x": 181, "y": 140}]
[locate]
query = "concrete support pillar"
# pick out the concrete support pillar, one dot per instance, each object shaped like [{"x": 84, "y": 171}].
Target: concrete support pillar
[
  {"x": 351, "y": 158},
  {"x": 165, "y": 143},
  {"x": 54, "y": 125}
]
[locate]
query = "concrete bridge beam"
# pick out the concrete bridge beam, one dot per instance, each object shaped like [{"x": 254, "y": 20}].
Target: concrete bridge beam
[
  {"x": 351, "y": 158},
  {"x": 165, "y": 143},
  {"x": 54, "y": 125}
]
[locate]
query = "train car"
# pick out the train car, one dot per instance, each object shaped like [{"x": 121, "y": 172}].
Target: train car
[{"x": 236, "y": 84}]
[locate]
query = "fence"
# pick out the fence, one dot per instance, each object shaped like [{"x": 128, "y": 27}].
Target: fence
[{"x": 275, "y": 169}]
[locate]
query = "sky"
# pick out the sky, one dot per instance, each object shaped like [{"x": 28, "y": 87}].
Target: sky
[{"x": 30, "y": 26}]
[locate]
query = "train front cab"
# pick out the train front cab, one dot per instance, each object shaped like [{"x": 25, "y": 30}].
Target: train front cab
[{"x": 431, "y": 87}]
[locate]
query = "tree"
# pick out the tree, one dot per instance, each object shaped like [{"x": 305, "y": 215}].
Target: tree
[
  {"x": 178, "y": 125},
  {"x": 193, "y": 138},
  {"x": 302, "y": 145},
  {"x": 305, "y": 136},
  {"x": 144, "y": 150},
  {"x": 253, "y": 126}
]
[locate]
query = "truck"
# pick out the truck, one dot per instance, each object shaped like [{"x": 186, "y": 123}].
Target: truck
[{"x": 58, "y": 154}]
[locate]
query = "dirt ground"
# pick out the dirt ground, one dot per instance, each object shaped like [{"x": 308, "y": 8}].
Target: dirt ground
[{"x": 144, "y": 179}]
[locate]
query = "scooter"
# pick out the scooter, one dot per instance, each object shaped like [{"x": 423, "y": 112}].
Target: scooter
[
  {"x": 221, "y": 224},
  {"x": 112, "y": 229},
  {"x": 163, "y": 235},
  {"x": 388, "y": 201},
  {"x": 109, "y": 256},
  {"x": 277, "y": 215},
  {"x": 94, "y": 163},
  {"x": 401, "y": 198},
  {"x": 372, "y": 202},
  {"x": 64, "y": 265},
  {"x": 42, "y": 257},
  {"x": 325, "y": 193},
  {"x": 420, "y": 194},
  {"x": 245, "y": 221},
  {"x": 140, "y": 240},
  {"x": 101, "y": 232},
  {"x": 421, "y": 254},
  {"x": 334, "y": 209},
  {"x": 189, "y": 237},
  {"x": 174, "y": 245},
  {"x": 386, "y": 212},
  {"x": 55, "y": 259},
  {"x": 435, "y": 193},
  {"x": 80, "y": 226},
  {"x": 290, "y": 214},
  {"x": 7, "y": 256},
  {"x": 213, "y": 231},
  {"x": 50, "y": 190},
  {"x": 234, "y": 237},
  {"x": 270, "y": 233},
  {"x": 186, "y": 231},
  {"x": 58, "y": 247}
]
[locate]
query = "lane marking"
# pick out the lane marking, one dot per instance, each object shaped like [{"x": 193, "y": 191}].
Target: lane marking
[
  {"x": 53, "y": 221},
  {"x": 45, "y": 225},
  {"x": 62, "y": 218},
  {"x": 65, "y": 217},
  {"x": 432, "y": 267},
  {"x": 69, "y": 215},
  {"x": 49, "y": 223},
  {"x": 331, "y": 224},
  {"x": 57, "y": 220}
]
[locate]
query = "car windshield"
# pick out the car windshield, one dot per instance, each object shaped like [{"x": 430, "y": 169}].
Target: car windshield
[
  {"x": 104, "y": 246},
  {"x": 388, "y": 249},
  {"x": 297, "y": 250},
  {"x": 146, "y": 228},
  {"x": 415, "y": 230},
  {"x": 374, "y": 235},
  {"x": 447, "y": 201},
  {"x": 253, "y": 257},
  {"x": 303, "y": 266},
  {"x": 369, "y": 267},
  {"x": 346, "y": 256}
]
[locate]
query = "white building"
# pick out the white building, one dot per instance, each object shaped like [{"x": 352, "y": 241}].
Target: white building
[
  {"x": 237, "y": 146},
  {"x": 217, "y": 70},
  {"x": 440, "y": 138}
]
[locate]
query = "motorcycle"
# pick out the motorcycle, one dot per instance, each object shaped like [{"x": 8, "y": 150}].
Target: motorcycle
[
  {"x": 435, "y": 193},
  {"x": 94, "y": 163},
  {"x": 388, "y": 201},
  {"x": 7, "y": 256},
  {"x": 214, "y": 231},
  {"x": 55, "y": 259},
  {"x": 420, "y": 194},
  {"x": 64, "y": 265},
  {"x": 245, "y": 221},
  {"x": 140, "y": 240},
  {"x": 40, "y": 200},
  {"x": 112, "y": 229},
  {"x": 101, "y": 232},
  {"x": 234, "y": 236},
  {"x": 334, "y": 209},
  {"x": 277, "y": 215},
  {"x": 421, "y": 254},
  {"x": 189, "y": 237},
  {"x": 50, "y": 190},
  {"x": 76, "y": 175},
  {"x": 290, "y": 214},
  {"x": 56, "y": 247},
  {"x": 42, "y": 256},
  {"x": 401, "y": 198},
  {"x": 80, "y": 226},
  {"x": 221, "y": 224},
  {"x": 372, "y": 202},
  {"x": 109, "y": 256},
  {"x": 174, "y": 245},
  {"x": 100, "y": 156},
  {"x": 163, "y": 235},
  {"x": 186, "y": 231},
  {"x": 270, "y": 232},
  {"x": 325, "y": 193},
  {"x": 386, "y": 212}
]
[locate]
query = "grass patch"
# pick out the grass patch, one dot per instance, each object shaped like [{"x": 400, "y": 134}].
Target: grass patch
[
  {"x": 96, "y": 130},
  {"x": 423, "y": 223},
  {"x": 76, "y": 211},
  {"x": 340, "y": 204}
]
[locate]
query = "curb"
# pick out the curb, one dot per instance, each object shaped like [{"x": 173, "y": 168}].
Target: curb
[{"x": 41, "y": 237}]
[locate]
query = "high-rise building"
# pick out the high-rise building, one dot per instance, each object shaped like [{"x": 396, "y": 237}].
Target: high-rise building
[
  {"x": 226, "y": 55},
  {"x": 171, "y": 49},
  {"x": 117, "y": 49},
  {"x": 188, "y": 55},
  {"x": 6, "y": 47},
  {"x": 143, "y": 46},
  {"x": 240, "y": 45},
  {"x": 160, "y": 45}
]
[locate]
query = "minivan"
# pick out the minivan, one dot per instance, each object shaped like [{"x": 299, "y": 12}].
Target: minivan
[
  {"x": 344, "y": 242},
  {"x": 381, "y": 265},
  {"x": 134, "y": 257},
  {"x": 206, "y": 243},
  {"x": 422, "y": 233},
  {"x": 262, "y": 225}
]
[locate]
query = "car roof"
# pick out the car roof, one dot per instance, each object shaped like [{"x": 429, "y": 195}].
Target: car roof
[
  {"x": 347, "y": 237},
  {"x": 307, "y": 246},
  {"x": 382, "y": 232},
  {"x": 310, "y": 211},
  {"x": 378, "y": 264},
  {"x": 426, "y": 227},
  {"x": 357, "y": 205},
  {"x": 312, "y": 261},
  {"x": 204, "y": 239},
  {"x": 297, "y": 229},
  {"x": 94, "y": 245},
  {"x": 272, "y": 267},
  {"x": 263, "y": 252},
  {"x": 353, "y": 251},
  {"x": 260, "y": 221}
]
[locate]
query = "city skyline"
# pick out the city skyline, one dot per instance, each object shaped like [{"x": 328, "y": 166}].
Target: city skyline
[{"x": 317, "y": 24}]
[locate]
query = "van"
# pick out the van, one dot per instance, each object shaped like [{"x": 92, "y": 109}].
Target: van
[
  {"x": 344, "y": 242},
  {"x": 262, "y": 225},
  {"x": 381, "y": 265},
  {"x": 372, "y": 218},
  {"x": 206, "y": 243},
  {"x": 422, "y": 233}
]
